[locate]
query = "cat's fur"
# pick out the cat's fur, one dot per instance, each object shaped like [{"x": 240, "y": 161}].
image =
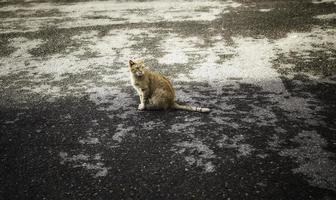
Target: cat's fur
[{"x": 155, "y": 91}]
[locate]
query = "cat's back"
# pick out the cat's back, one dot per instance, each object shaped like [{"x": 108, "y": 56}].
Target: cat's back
[{"x": 162, "y": 82}]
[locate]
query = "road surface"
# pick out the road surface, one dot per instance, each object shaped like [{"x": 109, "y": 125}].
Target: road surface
[{"x": 69, "y": 123}]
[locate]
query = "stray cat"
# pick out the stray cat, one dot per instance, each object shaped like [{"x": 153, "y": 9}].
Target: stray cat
[{"x": 155, "y": 91}]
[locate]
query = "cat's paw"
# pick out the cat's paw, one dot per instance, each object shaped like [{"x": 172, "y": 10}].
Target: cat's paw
[{"x": 141, "y": 106}]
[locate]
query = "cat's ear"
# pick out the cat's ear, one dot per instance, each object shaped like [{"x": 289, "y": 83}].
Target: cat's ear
[{"x": 131, "y": 63}]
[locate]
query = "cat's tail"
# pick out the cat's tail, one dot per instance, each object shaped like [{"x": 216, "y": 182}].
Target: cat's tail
[{"x": 190, "y": 108}]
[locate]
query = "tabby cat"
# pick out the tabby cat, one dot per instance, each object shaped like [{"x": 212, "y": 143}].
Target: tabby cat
[{"x": 155, "y": 91}]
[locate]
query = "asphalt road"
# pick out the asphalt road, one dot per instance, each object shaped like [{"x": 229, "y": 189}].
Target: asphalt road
[{"x": 69, "y": 124}]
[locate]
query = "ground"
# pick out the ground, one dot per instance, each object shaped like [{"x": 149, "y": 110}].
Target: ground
[{"x": 69, "y": 123}]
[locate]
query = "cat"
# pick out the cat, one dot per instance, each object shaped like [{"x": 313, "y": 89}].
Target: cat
[{"x": 155, "y": 90}]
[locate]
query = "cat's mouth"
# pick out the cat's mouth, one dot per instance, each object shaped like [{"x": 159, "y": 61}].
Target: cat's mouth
[{"x": 139, "y": 74}]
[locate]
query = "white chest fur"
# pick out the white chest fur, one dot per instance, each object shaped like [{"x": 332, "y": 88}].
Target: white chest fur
[{"x": 135, "y": 85}]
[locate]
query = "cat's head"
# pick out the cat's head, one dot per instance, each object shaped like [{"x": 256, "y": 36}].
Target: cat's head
[{"x": 137, "y": 68}]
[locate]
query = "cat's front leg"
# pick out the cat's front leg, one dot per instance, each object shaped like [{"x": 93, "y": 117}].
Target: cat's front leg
[
  {"x": 142, "y": 102},
  {"x": 143, "y": 99},
  {"x": 141, "y": 106}
]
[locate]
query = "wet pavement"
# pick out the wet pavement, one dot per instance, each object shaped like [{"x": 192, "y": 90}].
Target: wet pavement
[{"x": 69, "y": 123}]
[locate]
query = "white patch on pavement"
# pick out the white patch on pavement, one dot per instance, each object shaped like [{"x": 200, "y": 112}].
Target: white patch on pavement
[
  {"x": 18, "y": 60},
  {"x": 252, "y": 62},
  {"x": 302, "y": 44},
  {"x": 326, "y": 17},
  {"x": 324, "y": 1},
  {"x": 89, "y": 140},
  {"x": 265, "y": 9},
  {"x": 121, "y": 132},
  {"x": 235, "y": 143},
  {"x": 100, "y": 13},
  {"x": 178, "y": 50},
  {"x": 203, "y": 152},
  {"x": 314, "y": 161},
  {"x": 91, "y": 163},
  {"x": 44, "y": 72}
]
